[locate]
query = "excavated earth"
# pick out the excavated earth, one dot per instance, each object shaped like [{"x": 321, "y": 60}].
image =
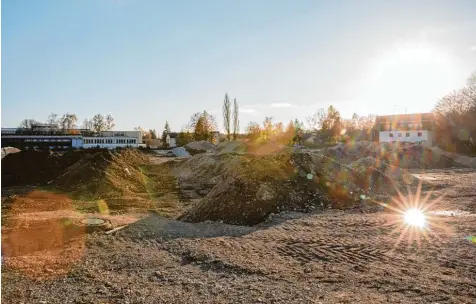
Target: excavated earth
[{"x": 350, "y": 255}]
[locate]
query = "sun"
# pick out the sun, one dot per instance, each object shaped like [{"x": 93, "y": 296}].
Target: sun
[
  {"x": 414, "y": 217},
  {"x": 416, "y": 74}
]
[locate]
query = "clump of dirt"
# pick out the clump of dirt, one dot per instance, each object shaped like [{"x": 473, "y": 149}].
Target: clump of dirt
[
  {"x": 107, "y": 174},
  {"x": 36, "y": 167},
  {"x": 300, "y": 181}
]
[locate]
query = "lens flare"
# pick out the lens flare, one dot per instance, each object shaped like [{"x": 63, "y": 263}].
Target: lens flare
[{"x": 414, "y": 217}]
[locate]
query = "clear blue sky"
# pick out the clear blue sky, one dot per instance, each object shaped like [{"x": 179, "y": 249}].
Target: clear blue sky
[{"x": 147, "y": 61}]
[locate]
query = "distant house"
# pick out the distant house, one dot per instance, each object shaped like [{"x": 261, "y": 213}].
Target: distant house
[
  {"x": 405, "y": 128},
  {"x": 171, "y": 139}
]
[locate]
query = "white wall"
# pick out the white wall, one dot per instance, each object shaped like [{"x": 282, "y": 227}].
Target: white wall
[
  {"x": 110, "y": 142},
  {"x": 384, "y": 136}
]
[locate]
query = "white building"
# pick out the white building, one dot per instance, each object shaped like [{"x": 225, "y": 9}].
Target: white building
[
  {"x": 28, "y": 138},
  {"x": 113, "y": 139},
  {"x": 171, "y": 140},
  {"x": 405, "y": 128}
]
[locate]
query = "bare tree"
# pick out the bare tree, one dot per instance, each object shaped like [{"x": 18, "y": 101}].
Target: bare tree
[
  {"x": 99, "y": 123},
  {"x": 315, "y": 121},
  {"x": 109, "y": 123},
  {"x": 227, "y": 116},
  {"x": 236, "y": 121},
  {"x": 87, "y": 124},
  {"x": 28, "y": 123},
  {"x": 68, "y": 121},
  {"x": 53, "y": 119}
]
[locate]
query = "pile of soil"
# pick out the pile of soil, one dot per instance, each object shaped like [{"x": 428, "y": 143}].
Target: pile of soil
[
  {"x": 403, "y": 155},
  {"x": 256, "y": 186},
  {"x": 241, "y": 147},
  {"x": 232, "y": 147},
  {"x": 202, "y": 145},
  {"x": 107, "y": 174},
  {"x": 36, "y": 167}
]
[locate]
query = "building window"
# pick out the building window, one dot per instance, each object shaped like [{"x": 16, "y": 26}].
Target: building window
[
  {"x": 407, "y": 135},
  {"x": 410, "y": 125},
  {"x": 420, "y": 134},
  {"x": 399, "y": 134},
  {"x": 390, "y": 135}
]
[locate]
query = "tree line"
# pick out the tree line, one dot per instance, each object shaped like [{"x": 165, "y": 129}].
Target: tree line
[
  {"x": 455, "y": 115},
  {"x": 69, "y": 121}
]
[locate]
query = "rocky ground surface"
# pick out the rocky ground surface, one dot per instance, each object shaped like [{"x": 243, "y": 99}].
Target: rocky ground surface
[{"x": 327, "y": 257}]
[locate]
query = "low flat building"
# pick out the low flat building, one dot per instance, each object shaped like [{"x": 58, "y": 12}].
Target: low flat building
[
  {"x": 405, "y": 128},
  {"x": 53, "y": 138}
]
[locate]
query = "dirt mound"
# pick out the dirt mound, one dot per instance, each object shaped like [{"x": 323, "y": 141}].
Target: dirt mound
[
  {"x": 463, "y": 160},
  {"x": 107, "y": 174},
  {"x": 36, "y": 167},
  {"x": 251, "y": 148},
  {"x": 255, "y": 186},
  {"x": 200, "y": 146},
  {"x": 232, "y": 147},
  {"x": 403, "y": 155}
]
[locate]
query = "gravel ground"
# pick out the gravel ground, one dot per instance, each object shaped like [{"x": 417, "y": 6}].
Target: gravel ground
[{"x": 332, "y": 257}]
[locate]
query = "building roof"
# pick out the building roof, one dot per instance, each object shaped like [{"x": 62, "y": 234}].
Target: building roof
[{"x": 405, "y": 118}]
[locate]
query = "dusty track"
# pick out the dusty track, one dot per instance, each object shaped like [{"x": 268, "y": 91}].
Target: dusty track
[{"x": 333, "y": 257}]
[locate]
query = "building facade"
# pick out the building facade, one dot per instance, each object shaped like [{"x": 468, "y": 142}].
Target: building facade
[
  {"x": 50, "y": 137},
  {"x": 405, "y": 128}
]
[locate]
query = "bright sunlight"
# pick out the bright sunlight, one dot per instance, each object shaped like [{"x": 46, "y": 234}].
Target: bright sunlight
[{"x": 414, "y": 217}]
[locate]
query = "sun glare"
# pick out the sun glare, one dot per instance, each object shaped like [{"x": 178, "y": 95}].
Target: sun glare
[
  {"x": 415, "y": 74},
  {"x": 414, "y": 217}
]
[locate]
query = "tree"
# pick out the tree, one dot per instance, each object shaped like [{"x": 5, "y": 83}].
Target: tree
[
  {"x": 236, "y": 121},
  {"x": 87, "y": 124},
  {"x": 315, "y": 121},
  {"x": 290, "y": 132},
  {"x": 455, "y": 117},
  {"x": 53, "y": 119},
  {"x": 278, "y": 131},
  {"x": 299, "y": 133},
  {"x": 68, "y": 121},
  {"x": 202, "y": 125},
  {"x": 28, "y": 123},
  {"x": 184, "y": 137},
  {"x": 99, "y": 123},
  {"x": 332, "y": 124},
  {"x": 227, "y": 116},
  {"x": 165, "y": 132},
  {"x": 109, "y": 123},
  {"x": 267, "y": 127},
  {"x": 253, "y": 130},
  {"x": 153, "y": 134}
]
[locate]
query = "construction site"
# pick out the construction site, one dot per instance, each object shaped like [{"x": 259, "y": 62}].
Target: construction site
[{"x": 240, "y": 223}]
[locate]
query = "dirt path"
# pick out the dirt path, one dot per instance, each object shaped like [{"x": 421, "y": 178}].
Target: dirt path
[{"x": 333, "y": 257}]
